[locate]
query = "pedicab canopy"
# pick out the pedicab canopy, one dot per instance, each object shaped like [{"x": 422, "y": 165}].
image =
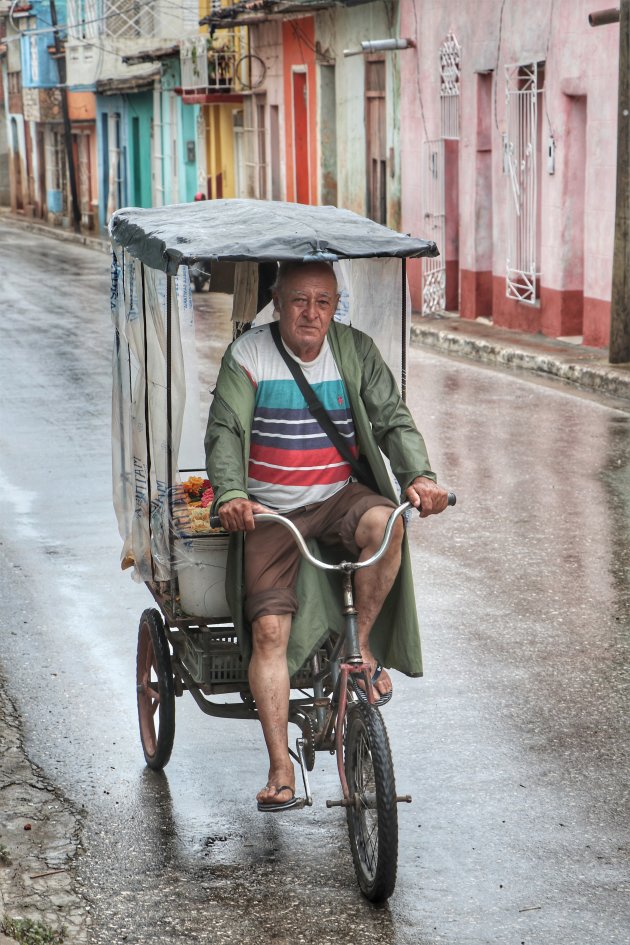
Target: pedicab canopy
[
  {"x": 163, "y": 373},
  {"x": 239, "y": 230}
]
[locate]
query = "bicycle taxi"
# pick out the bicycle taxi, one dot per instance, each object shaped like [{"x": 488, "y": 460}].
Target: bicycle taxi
[{"x": 188, "y": 643}]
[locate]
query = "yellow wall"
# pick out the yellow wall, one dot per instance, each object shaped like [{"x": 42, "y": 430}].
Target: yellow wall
[{"x": 220, "y": 146}]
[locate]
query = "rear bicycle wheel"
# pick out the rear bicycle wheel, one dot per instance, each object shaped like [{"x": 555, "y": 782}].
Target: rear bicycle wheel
[
  {"x": 155, "y": 691},
  {"x": 373, "y": 818}
]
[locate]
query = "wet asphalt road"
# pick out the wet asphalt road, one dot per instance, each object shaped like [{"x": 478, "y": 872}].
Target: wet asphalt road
[{"x": 514, "y": 746}]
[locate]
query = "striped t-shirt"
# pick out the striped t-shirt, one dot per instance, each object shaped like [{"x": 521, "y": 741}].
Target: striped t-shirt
[{"x": 292, "y": 461}]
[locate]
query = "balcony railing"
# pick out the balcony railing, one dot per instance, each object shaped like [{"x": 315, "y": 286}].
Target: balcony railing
[{"x": 212, "y": 67}]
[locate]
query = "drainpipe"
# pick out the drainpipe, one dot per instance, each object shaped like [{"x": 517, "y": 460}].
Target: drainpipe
[
  {"x": 619, "y": 348},
  {"x": 60, "y": 57}
]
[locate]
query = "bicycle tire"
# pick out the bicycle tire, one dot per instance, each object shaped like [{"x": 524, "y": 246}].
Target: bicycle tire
[
  {"x": 373, "y": 819},
  {"x": 155, "y": 691}
]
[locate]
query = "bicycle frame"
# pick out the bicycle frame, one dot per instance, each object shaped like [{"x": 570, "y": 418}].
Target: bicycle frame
[{"x": 352, "y": 662}]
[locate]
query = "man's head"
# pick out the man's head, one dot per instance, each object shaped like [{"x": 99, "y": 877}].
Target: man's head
[{"x": 305, "y": 295}]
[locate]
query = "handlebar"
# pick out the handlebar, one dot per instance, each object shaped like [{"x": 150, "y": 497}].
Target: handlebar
[{"x": 277, "y": 519}]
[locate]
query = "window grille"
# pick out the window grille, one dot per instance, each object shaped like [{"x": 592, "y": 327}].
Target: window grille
[
  {"x": 210, "y": 67},
  {"x": 88, "y": 19},
  {"x": 520, "y": 144},
  {"x": 434, "y": 227},
  {"x": 450, "y": 54}
]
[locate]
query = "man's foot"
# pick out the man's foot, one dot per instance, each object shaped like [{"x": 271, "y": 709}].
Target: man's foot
[
  {"x": 281, "y": 798},
  {"x": 279, "y": 790},
  {"x": 381, "y": 683}
]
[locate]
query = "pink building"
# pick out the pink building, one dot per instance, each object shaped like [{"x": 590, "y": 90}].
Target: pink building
[{"x": 508, "y": 159}]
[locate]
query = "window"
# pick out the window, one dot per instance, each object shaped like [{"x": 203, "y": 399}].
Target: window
[
  {"x": 521, "y": 166},
  {"x": 449, "y": 86}
]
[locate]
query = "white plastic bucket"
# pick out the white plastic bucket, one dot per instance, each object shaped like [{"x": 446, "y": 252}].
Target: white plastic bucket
[{"x": 201, "y": 565}]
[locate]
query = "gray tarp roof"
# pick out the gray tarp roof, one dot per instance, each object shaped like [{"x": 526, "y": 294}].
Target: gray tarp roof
[{"x": 264, "y": 230}]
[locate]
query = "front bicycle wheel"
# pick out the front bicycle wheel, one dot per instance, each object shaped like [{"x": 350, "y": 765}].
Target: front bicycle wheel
[{"x": 373, "y": 818}]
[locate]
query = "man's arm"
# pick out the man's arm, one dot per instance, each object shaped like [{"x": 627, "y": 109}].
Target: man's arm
[{"x": 226, "y": 449}]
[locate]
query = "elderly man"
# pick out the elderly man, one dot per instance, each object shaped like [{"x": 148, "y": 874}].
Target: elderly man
[{"x": 265, "y": 451}]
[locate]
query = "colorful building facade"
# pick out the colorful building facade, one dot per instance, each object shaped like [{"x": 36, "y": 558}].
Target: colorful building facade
[
  {"x": 508, "y": 140},
  {"x": 491, "y": 129}
]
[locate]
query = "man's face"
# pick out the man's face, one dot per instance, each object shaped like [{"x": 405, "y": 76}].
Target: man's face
[{"x": 306, "y": 301}]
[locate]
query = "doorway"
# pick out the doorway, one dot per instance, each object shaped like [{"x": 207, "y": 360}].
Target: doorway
[
  {"x": 300, "y": 136},
  {"x": 376, "y": 140}
]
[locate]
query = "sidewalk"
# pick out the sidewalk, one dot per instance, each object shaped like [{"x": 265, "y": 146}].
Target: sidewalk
[{"x": 587, "y": 368}]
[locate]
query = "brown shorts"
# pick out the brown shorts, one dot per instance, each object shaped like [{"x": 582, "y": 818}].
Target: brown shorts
[{"x": 272, "y": 558}]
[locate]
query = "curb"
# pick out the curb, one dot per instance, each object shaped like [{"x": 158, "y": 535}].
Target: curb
[
  {"x": 591, "y": 376},
  {"x": 56, "y": 233}
]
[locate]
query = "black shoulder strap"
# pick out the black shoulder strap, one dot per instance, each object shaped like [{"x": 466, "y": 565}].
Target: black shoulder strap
[{"x": 315, "y": 406}]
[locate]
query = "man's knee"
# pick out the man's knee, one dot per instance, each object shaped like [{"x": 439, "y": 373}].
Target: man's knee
[
  {"x": 271, "y": 632},
  {"x": 371, "y": 529}
]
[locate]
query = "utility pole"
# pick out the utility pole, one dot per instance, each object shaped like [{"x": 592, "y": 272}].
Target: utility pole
[
  {"x": 619, "y": 349},
  {"x": 60, "y": 57}
]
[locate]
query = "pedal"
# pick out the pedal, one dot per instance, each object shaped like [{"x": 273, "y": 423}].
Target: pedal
[{"x": 299, "y": 757}]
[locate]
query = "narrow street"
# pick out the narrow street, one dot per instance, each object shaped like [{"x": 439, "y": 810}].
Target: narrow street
[{"x": 514, "y": 746}]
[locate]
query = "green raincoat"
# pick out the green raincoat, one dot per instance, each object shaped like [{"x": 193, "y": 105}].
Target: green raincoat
[{"x": 382, "y": 422}]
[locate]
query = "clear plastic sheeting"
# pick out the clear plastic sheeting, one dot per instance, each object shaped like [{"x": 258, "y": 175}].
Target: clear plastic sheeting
[
  {"x": 375, "y": 304},
  {"x": 139, "y": 407}
]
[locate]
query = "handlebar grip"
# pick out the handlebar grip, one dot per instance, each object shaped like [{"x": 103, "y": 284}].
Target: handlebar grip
[
  {"x": 452, "y": 499},
  {"x": 215, "y": 521}
]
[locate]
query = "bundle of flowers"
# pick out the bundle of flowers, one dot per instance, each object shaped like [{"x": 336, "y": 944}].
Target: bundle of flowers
[{"x": 191, "y": 506}]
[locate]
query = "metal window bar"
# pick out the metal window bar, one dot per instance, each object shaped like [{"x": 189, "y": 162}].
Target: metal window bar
[
  {"x": 211, "y": 65},
  {"x": 450, "y": 56},
  {"x": 127, "y": 18},
  {"x": 434, "y": 270},
  {"x": 520, "y": 162}
]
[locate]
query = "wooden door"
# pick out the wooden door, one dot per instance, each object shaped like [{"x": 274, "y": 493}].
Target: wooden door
[
  {"x": 300, "y": 137},
  {"x": 376, "y": 139}
]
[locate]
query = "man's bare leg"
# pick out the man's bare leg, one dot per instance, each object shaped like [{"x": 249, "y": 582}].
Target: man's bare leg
[
  {"x": 269, "y": 682},
  {"x": 373, "y": 584}
]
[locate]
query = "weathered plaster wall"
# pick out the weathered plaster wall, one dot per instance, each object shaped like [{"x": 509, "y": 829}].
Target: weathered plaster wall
[
  {"x": 345, "y": 29},
  {"x": 266, "y": 42},
  {"x": 577, "y": 108}
]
